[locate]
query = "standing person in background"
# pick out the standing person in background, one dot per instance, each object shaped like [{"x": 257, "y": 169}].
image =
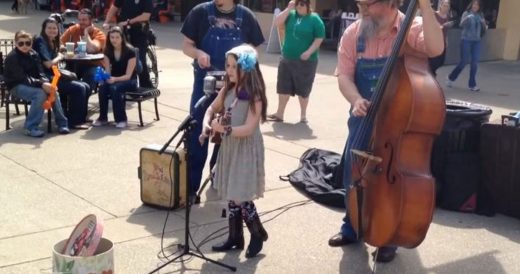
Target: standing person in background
[
  {"x": 120, "y": 62},
  {"x": 210, "y": 30},
  {"x": 85, "y": 31},
  {"x": 444, "y": 19},
  {"x": 304, "y": 32},
  {"x": 73, "y": 93},
  {"x": 14, "y": 6},
  {"x": 240, "y": 172},
  {"x": 134, "y": 15},
  {"x": 473, "y": 26},
  {"x": 25, "y": 79}
]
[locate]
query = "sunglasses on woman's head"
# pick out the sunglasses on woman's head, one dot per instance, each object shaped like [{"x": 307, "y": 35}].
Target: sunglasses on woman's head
[
  {"x": 303, "y": 3},
  {"x": 22, "y": 43}
]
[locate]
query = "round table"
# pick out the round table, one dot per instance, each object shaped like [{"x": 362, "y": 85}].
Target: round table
[{"x": 87, "y": 57}]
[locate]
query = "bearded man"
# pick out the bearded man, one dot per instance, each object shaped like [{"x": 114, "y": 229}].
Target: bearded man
[{"x": 364, "y": 48}]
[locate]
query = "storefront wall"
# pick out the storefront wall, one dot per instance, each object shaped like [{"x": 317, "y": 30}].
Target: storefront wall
[
  {"x": 509, "y": 21},
  {"x": 503, "y": 42},
  {"x": 492, "y": 47},
  {"x": 265, "y": 20},
  {"x": 500, "y": 43}
]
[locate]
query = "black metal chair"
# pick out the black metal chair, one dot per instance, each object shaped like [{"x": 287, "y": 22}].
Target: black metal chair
[{"x": 143, "y": 94}]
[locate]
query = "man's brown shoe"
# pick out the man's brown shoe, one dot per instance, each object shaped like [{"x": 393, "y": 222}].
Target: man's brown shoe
[{"x": 340, "y": 240}]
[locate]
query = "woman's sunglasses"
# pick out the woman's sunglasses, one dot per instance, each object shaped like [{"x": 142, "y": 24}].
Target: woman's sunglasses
[
  {"x": 303, "y": 3},
  {"x": 24, "y": 43}
]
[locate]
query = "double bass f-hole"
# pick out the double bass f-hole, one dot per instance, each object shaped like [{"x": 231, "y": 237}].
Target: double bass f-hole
[{"x": 390, "y": 177}]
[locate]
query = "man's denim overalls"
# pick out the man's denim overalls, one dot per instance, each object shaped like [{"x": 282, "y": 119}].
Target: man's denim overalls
[
  {"x": 366, "y": 77},
  {"x": 215, "y": 43}
]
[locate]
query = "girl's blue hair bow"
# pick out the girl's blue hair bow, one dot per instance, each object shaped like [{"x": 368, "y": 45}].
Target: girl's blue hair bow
[{"x": 247, "y": 57}]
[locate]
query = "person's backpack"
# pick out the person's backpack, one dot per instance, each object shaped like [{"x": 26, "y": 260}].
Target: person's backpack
[{"x": 316, "y": 177}]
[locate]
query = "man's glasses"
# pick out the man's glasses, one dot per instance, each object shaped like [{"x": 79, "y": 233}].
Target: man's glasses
[
  {"x": 366, "y": 4},
  {"x": 24, "y": 43}
]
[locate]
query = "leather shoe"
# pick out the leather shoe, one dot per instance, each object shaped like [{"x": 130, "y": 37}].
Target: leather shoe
[
  {"x": 385, "y": 254},
  {"x": 340, "y": 240}
]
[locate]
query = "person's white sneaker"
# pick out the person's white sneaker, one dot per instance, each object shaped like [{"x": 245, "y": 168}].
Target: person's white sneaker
[
  {"x": 121, "y": 125},
  {"x": 99, "y": 123},
  {"x": 475, "y": 88},
  {"x": 449, "y": 83}
]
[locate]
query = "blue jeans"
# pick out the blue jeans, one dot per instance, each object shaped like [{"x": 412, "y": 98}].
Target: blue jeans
[
  {"x": 116, "y": 92},
  {"x": 74, "y": 100},
  {"x": 36, "y": 96},
  {"x": 197, "y": 152},
  {"x": 86, "y": 73},
  {"x": 138, "y": 38},
  {"x": 469, "y": 53}
]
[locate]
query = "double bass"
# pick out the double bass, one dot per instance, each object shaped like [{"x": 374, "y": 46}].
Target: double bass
[{"x": 392, "y": 197}]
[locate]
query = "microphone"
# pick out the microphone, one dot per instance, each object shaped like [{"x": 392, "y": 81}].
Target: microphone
[{"x": 210, "y": 83}]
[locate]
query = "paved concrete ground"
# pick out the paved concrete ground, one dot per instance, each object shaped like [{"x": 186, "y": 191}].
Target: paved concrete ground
[{"x": 49, "y": 184}]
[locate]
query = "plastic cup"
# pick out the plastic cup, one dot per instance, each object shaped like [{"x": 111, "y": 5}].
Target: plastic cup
[
  {"x": 82, "y": 48},
  {"x": 69, "y": 46}
]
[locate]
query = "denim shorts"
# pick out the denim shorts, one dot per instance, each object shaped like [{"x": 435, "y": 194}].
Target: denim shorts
[{"x": 295, "y": 77}]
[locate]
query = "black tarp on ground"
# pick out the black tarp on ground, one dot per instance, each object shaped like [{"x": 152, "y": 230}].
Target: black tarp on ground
[{"x": 317, "y": 177}]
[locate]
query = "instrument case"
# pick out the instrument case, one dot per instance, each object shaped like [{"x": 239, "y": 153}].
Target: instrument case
[
  {"x": 163, "y": 177},
  {"x": 500, "y": 162}
]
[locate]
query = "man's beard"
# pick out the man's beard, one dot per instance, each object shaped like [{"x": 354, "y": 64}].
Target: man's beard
[{"x": 369, "y": 27}]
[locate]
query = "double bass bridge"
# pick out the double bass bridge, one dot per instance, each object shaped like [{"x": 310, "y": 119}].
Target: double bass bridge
[{"x": 365, "y": 164}]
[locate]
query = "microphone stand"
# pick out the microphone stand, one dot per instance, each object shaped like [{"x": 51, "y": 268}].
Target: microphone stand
[{"x": 186, "y": 126}]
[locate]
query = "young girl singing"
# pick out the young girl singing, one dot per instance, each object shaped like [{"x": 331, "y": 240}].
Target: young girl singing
[{"x": 239, "y": 172}]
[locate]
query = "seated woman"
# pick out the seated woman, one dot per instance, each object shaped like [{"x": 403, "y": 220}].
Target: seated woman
[
  {"x": 73, "y": 93},
  {"x": 120, "y": 62},
  {"x": 25, "y": 79}
]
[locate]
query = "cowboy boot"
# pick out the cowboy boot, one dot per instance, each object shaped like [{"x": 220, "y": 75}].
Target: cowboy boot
[
  {"x": 258, "y": 233},
  {"x": 236, "y": 231}
]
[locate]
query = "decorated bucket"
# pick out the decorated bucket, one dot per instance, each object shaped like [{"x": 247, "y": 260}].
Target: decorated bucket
[
  {"x": 85, "y": 251},
  {"x": 102, "y": 262}
]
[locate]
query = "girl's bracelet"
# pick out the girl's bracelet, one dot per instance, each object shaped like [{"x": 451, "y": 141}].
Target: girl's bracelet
[{"x": 228, "y": 130}]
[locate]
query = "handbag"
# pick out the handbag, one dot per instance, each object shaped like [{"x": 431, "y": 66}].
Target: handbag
[{"x": 67, "y": 75}]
